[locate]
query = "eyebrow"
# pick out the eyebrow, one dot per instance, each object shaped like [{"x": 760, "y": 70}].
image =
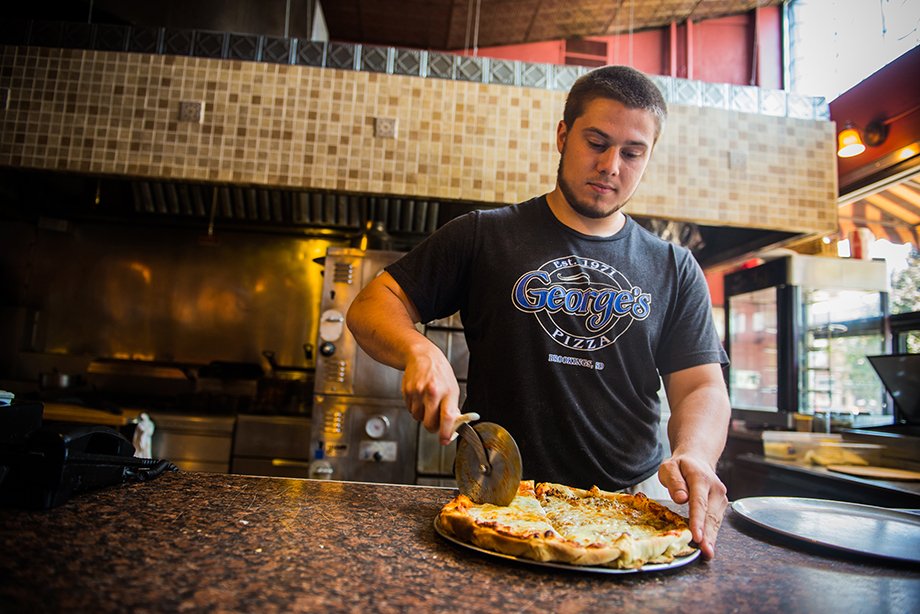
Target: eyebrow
[{"x": 606, "y": 137}]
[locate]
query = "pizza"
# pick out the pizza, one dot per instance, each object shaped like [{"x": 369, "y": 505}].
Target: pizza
[{"x": 561, "y": 524}]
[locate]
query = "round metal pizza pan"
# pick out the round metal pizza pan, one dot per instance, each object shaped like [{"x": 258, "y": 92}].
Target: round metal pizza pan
[
  {"x": 847, "y": 527},
  {"x": 678, "y": 562}
]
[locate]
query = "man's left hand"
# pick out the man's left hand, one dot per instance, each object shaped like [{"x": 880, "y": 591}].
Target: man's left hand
[{"x": 693, "y": 481}]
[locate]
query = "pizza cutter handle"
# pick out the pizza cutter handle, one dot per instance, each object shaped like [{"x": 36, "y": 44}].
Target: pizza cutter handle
[
  {"x": 462, "y": 419},
  {"x": 465, "y": 418},
  {"x": 473, "y": 440}
]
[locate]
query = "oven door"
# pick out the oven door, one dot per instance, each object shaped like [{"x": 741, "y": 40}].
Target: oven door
[
  {"x": 276, "y": 446},
  {"x": 194, "y": 443},
  {"x": 365, "y": 439}
]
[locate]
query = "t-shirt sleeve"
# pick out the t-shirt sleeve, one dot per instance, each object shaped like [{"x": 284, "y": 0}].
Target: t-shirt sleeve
[
  {"x": 435, "y": 273},
  {"x": 689, "y": 338}
]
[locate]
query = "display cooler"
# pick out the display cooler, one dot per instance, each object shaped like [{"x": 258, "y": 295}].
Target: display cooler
[{"x": 798, "y": 330}]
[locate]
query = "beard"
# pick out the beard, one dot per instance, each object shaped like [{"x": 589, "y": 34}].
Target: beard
[{"x": 583, "y": 208}]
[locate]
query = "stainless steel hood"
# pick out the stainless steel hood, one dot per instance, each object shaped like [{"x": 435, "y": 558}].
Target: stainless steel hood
[
  {"x": 216, "y": 207},
  {"x": 229, "y": 203}
]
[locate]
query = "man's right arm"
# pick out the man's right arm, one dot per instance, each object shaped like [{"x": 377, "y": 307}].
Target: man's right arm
[{"x": 382, "y": 318}]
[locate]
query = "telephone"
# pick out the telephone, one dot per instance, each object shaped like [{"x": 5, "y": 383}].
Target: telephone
[{"x": 44, "y": 467}]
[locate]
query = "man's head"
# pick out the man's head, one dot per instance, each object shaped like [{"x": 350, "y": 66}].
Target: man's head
[
  {"x": 612, "y": 120},
  {"x": 621, "y": 83}
]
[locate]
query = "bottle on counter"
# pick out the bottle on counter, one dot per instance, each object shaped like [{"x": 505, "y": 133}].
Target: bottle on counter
[{"x": 320, "y": 469}]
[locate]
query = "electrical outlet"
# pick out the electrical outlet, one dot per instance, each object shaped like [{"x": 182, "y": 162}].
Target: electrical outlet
[
  {"x": 737, "y": 160},
  {"x": 4, "y": 98},
  {"x": 385, "y": 127},
  {"x": 191, "y": 111}
]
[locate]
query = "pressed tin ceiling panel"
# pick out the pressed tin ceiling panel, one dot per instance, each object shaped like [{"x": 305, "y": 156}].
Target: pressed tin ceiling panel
[{"x": 452, "y": 24}]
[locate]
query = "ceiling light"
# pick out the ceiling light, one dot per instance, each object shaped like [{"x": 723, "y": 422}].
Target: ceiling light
[{"x": 849, "y": 143}]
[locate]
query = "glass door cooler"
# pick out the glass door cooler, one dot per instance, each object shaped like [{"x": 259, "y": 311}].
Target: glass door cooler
[{"x": 798, "y": 330}]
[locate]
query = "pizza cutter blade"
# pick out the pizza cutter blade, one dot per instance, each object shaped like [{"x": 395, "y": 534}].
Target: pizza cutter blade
[{"x": 488, "y": 463}]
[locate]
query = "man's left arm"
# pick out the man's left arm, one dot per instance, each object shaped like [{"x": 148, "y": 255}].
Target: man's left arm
[{"x": 697, "y": 430}]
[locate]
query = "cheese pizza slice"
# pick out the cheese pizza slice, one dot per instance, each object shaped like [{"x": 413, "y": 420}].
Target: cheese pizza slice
[
  {"x": 521, "y": 528},
  {"x": 643, "y": 530}
]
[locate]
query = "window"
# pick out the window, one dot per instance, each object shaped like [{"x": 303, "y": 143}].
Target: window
[{"x": 824, "y": 61}]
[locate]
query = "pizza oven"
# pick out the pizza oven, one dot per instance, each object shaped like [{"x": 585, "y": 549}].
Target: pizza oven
[{"x": 361, "y": 430}]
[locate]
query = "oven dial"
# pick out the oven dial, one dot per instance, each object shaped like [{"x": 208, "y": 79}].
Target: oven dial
[
  {"x": 377, "y": 426},
  {"x": 331, "y": 325}
]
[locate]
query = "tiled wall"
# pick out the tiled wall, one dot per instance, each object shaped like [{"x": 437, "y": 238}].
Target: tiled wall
[{"x": 305, "y": 127}]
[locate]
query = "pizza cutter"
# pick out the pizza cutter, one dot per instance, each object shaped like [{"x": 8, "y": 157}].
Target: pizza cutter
[{"x": 488, "y": 463}]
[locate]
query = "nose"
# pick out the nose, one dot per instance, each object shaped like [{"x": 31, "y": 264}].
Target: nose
[{"x": 608, "y": 163}]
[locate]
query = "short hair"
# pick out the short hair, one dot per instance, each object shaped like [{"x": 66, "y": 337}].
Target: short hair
[{"x": 624, "y": 84}]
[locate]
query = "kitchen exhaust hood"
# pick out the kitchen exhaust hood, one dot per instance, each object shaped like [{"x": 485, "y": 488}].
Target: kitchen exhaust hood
[
  {"x": 48, "y": 197},
  {"x": 260, "y": 205}
]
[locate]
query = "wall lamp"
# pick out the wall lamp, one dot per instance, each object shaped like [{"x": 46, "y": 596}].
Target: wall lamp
[{"x": 851, "y": 143}]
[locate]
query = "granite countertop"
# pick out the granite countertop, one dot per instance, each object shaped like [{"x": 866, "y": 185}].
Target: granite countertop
[{"x": 206, "y": 542}]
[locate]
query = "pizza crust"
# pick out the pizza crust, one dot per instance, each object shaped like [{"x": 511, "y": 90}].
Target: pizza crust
[{"x": 557, "y": 523}]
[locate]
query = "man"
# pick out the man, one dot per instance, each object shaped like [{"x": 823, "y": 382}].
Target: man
[{"x": 573, "y": 315}]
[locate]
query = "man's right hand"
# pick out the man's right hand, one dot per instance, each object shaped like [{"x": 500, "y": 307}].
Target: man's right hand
[
  {"x": 431, "y": 392},
  {"x": 382, "y": 318}
]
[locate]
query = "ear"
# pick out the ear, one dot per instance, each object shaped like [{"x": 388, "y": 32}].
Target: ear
[{"x": 561, "y": 132}]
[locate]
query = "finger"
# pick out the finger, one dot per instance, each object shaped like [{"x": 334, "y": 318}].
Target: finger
[
  {"x": 669, "y": 474},
  {"x": 432, "y": 414},
  {"x": 708, "y": 543},
  {"x": 699, "y": 504},
  {"x": 422, "y": 404},
  {"x": 718, "y": 502},
  {"x": 416, "y": 409},
  {"x": 410, "y": 400},
  {"x": 449, "y": 412},
  {"x": 707, "y": 550},
  {"x": 697, "y": 497}
]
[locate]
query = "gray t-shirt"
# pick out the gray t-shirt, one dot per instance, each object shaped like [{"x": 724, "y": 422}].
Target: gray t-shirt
[{"x": 568, "y": 334}]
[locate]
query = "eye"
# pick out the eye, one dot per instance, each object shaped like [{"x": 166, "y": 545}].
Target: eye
[
  {"x": 632, "y": 154},
  {"x": 596, "y": 145}
]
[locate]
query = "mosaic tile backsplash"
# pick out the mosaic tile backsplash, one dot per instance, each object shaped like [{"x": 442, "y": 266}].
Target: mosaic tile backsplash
[{"x": 314, "y": 128}]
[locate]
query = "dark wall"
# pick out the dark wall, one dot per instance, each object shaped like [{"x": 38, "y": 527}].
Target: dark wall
[
  {"x": 265, "y": 17},
  {"x": 891, "y": 94}
]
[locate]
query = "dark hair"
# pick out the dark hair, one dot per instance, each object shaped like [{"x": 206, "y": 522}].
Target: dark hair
[{"x": 621, "y": 83}]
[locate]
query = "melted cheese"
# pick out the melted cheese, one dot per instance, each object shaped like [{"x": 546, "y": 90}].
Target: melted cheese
[
  {"x": 523, "y": 517},
  {"x": 593, "y": 525},
  {"x": 597, "y": 520}
]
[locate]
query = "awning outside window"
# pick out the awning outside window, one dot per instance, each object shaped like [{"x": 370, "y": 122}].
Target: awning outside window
[{"x": 891, "y": 212}]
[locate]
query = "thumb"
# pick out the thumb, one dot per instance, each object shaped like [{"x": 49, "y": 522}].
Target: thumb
[{"x": 670, "y": 476}]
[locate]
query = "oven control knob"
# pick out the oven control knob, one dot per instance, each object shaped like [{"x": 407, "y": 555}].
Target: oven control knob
[
  {"x": 376, "y": 427},
  {"x": 331, "y": 325},
  {"x": 327, "y": 349},
  {"x": 378, "y": 456}
]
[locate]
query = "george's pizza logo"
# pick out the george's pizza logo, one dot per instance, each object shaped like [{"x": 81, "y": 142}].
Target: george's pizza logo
[{"x": 581, "y": 303}]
